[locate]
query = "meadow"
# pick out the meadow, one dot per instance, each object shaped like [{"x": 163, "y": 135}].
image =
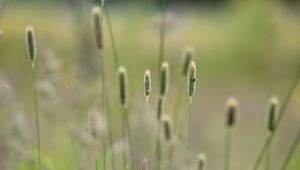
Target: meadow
[{"x": 245, "y": 54}]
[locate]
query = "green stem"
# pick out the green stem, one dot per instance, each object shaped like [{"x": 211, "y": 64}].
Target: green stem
[
  {"x": 162, "y": 34},
  {"x": 36, "y": 116},
  {"x": 158, "y": 148},
  {"x": 123, "y": 137},
  {"x": 96, "y": 163},
  {"x": 291, "y": 152},
  {"x": 189, "y": 133},
  {"x": 281, "y": 114},
  {"x": 104, "y": 152},
  {"x": 171, "y": 153},
  {"x": 227, "y": 152},
  {"x": 129, "y": 137},
  {"x": 112, "y": 39},
  {"x": 268, "y": 158}
]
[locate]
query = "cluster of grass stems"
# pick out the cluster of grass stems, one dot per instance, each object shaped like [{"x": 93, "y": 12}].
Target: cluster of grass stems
[{"x": 164, "y": 121}]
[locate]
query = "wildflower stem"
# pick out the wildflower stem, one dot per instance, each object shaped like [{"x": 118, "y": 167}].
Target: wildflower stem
[
  {"x": 33, "y": 71},
  {"x": 189, "y": 133},
  {"x": 123, "y": 137},
  {"x": 227, "y": 150},
  {"x": 291, "y": 151}
]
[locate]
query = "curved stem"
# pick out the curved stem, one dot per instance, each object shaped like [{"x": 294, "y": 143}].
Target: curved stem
[
  {"x": 282, "y": 110},
  {"x": 291, "y": 152},
  {"x": 37, "y": 125}
]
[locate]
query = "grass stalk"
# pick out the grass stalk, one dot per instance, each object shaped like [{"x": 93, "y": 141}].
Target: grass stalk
[
  {"x": 37, "y": 125},
  {"x": 282, "y": 110},
  {"x": 129, "y": 136},
  {"x": 268, "y": 158},
  {"x": 291, "y": 152},
  {"x": 189, "y": 133},
  {"x": 104, "y": 152},
  {"x": 227, "y": 150},
  {"x": 124, "y": 157},
  {"x": 158, "y": 148},
  {"x": 170, "y": 156},
  {"x": 162, "y": 33}
]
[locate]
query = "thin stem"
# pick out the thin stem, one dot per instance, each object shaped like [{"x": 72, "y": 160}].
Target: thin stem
[
  {"x": 36, "y": 116},
  {"x": 158, "y": 148},
  {"x": 162, "y": 34},
  {"x": 112, "y": 39},
  {"x": 227, "y": 150},
  {"x": 189, "y": 133},
  {"x": 291, "y": 152},
  {"x": 268, "y": 158},
  {"x": 123, "y": 137},
  {"x": 129, "y": 137},
  {"x": 96, "y": 163},
  {"x": 286, "y": 101},
  {"x": 104, "y": 152},
  {"x": 171, "y": 153}
]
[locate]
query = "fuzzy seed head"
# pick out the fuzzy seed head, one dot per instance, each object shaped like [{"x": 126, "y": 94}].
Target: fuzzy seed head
[
  {"x": 273, "y": 112},
  {"x": 97, "y": 21},
  {"x": 30, "y": 44},
  {"x": 160, "y": 107},
  {"x": 167, "y": 128},
  {"x": 164, "y": 78},
  {"x": 97, "y": 124},
  {"x": 192, "y": 79},
  {"x": 188, "y": 55},
  {"x": 123, "y": 86},
  {"x": 202, "y": 161},
  {"x": 231, "y": 112},
  {"x": 147, "y": 84},
  {"x": 145, "y": 165}
]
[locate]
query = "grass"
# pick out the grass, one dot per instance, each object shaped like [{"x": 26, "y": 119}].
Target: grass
[{"x": 128, "y": 45}]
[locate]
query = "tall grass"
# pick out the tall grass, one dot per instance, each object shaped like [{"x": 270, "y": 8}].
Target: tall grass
[{"x": 31, "y": 49}]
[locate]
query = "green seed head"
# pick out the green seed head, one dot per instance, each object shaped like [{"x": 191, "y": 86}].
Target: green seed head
[
  {"x": 31, "y": 45},
  {"x": 202, "y": 161},
  {"x": 188, "y": 55},
  {"x": 272, "y": 111},
  {"x": 164, "y": 79},
  {"x": 160, "y": 107},
  {"x": 147, "y": 84},
  {"x": 123, "y": 86},
  {"x": 97, "y": 21},
  {"x": 231, "y": 112},
  {"x": 192, "y": 79},
  {"x": 167, "y": 127}
]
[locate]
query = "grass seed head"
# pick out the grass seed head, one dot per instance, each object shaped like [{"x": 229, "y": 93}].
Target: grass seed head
[
  {"x": 272, "y": 114},
  {"x": 160, "y": 107},
  {"x": 201, "y": 161},
  {"x": 123, "y": 86},
  {"x": 97, "y": 21},
  {"x": 147, "y": 84},
  {"x": 167, "y": 128},
  {"x": 192, "y": 79},
  {"x": 164, "y": 78},
  {"x": 188, "y": 55},
  {"x": 145, "y": 165},
  {"x": 30, "y": 44},
  {"x": 231, "y": 112}
]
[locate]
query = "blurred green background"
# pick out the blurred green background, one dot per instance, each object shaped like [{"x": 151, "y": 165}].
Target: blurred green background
[{"x": 249, "y": 49}]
